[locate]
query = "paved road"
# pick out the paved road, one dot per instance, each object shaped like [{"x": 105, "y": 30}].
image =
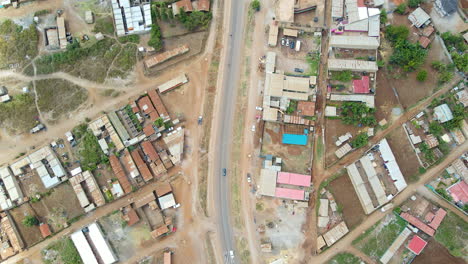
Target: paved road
[{"x": 225, "y": 126}]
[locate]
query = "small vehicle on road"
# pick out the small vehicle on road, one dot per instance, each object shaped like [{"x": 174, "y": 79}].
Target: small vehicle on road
[
  {"x": 231, "y": 254},
  {"x": 224, "y": 172},
  {"x": 298, "y": 70},
  {"x": 258, "y": 108},
  {"x": 249, "y": 178},
  {"x": 253, "y": 128},
  {"x": 200, "y": 120},
  {"x": 283, "y": 41}
]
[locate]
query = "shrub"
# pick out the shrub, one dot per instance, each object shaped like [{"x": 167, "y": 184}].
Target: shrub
[
  {"x": 396, "y": 33},
  {"x": 357, "y": 114},
  {"x": 255, "y": 5},
  {"x": 436, "y": 129},
  {"x": 409, "y": 56},
  {"x": 342, "y": 76},
  {"x": 383, "y": 16},
  {"x": 401, "y": 9},
  {"x": 360, "y": 140},
  {"x": 414, "y": 3},
  {"x": 30, "y": 221},
  {"x": 422, "y": 76}
]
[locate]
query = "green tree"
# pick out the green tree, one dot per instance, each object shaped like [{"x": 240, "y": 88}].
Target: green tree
[
  {"x": 422, "y": 76},
  {"x": 396, "y": 33},
  {"x": 409, "y": 56},
  {"x": 30, "y": 221},
  {"x": 414, "y": 3},
  {"x": 360, "y": 140},
  {"x": 436, "y": 129},
  {"x": 342, "y": 76},
  {"x": 401, "y": 9},
  {"x": 383, "y": 16},
  {"x": 159, "y": 122},
  {"x": 454, "y": 41},
  {"x": 459, "y": 114},
  {"x": 255, "y": 5},
  {"x": 357, "y": 114},
  {"x": 460, "y": 61}
]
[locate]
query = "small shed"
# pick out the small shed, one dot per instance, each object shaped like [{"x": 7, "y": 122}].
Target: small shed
[
  {"x": 416, "y": 245},
  {"x": 89, "y": 17},
  {"x": 419, "y": 18},
  {"x": 290, "y": 32},
  {"x": 45, "y": 230}
]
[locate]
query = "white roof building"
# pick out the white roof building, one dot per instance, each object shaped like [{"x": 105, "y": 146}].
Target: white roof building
[
  {"x": 103, "y": 249},
  {"x": 167, "y": 201},
  {"x": 442, "y": 113},
  {"x": 83, "y": 247},
  {"x": 392, "y": 165},
  {"x": 175, "y": 143},
  {"x": 337, "y": 8},
  {"x": 368, "y": 99},
  {"x": 10, "y": 191},
  {"x": 267, "y": 182},
  {"x": 131, "y": 19},
  {"x": 270, "y": 63},
  {"x": 419, "y": 17},
  {"x": 352, "y": 65},
  {"x": 176, "y": 82}
]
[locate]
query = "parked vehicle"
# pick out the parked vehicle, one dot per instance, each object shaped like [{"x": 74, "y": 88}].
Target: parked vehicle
[
  {"x": 283, "y": 41},
  {"x": 253, "y": 128},
  {"x": 224, "y": 172},
  {"x": 249, "y": 178},
  {"x": 200, "y": 120},
  {"x": 258, "y": 108},
  {"x": 292, "y": 45},
  {"x": 298, "y": 70},
  {"x": 287, "y": 42}
]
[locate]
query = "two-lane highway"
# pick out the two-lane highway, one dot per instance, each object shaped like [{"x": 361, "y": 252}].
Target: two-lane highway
[{"x": 225, "y": 116}]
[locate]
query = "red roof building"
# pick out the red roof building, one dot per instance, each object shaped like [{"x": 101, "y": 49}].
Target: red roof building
[
  {"x": 147, "y": 107},
  {"x": 141, "y": 165},
  {"x": 429, "y": 216},
  {"x": 361, "y": 86},
  {"x": 424, "y": 41},
  {"x": 149, "y": 151},
  {"x": 290, "y": 194},
  {"x": 439, "y": 216},
  {"x": 120, "y": 173},
  {"x": 204, "y": 5},
  {"x": 158, "y": 104},
  {"x": 306, "y": 108},
  {"x": 45, "y": 230},
  {"x": 416, "y": 245},
  {"x": 294, "y": 179},
  {"x": 149, "y": 130},
  {"x": 418, "y": 224},
  {"x": 131, "y": 217},
  {"x": 459, "y": 192}
]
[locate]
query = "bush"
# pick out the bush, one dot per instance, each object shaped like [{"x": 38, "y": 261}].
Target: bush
[
  {"x": 255, "y": 5},
  {"x": 195, "y": 19},
  {"x": 357, "y": 114},
  {"x": 396, "y": 33},
  {"x": 155, "y": 40},
  {"x": 18, "y": 45},
  {"x": 130, "y": 39},
  {"x": 91, "y": 152},
  {"x": 422, "y": 76},
  {"x": 436, "y": 129},
  {"x": 414, "y": 3},
  {"x": 383, "y": 16},
  {"x": 454, "y": 41},
  {"x": 409, "y": 56},
  {"x": 459, "y": 114},
  {"x": 401, "y": 9},
  {"x": 360, "y": 140},
  {"x": 460, "y": 61},
  {"x": 30, "y": 221},
  {"x": 104, "y": 25},
  {"x": 442, "y": 192}
]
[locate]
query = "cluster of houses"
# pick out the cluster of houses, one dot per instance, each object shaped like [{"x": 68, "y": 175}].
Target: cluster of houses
[{"x": 143, "y": 143}]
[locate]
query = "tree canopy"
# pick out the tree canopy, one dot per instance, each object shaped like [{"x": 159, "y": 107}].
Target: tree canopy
[{"x": 357, "y": 114}]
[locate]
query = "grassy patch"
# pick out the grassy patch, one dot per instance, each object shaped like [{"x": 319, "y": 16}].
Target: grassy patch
[
  {"x": 452, "y": 233},
  {"x": 130, "y": 39},
  {"x": 244, "y": 253},
  {"x": 104, "y": 25},
  {"x": 19, "y": 115},
  {"x": 375, "y": 241},
  {"x": 126, "y": 59},
  {"x": 344, "y": 258},
  {"x": 17, "y": 45},
  {"x": 62, "y": 251},
  {"x": 58, "y": 97},
  {"x": 319, "y": 147},
  {"x": 91, "y": 63},
  {"x": 110, "y": 93},
  {"x": 314, "y": 61}
]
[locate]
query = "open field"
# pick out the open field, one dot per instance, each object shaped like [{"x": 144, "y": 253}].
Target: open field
[
  {"x": 376, "y": 240},
  {"x": 19, "y": 115},
  {"x": 125, "y": 240},
  {"x": 452, "y": 234},
  {"x": 58, "y": 207},
  {"x": 404, "y": 154},
  {"x": 344, "y": 258},
  {"x": 346, "y": 197},
  {"x": 295, "y": 158},
  {"x": 385, "y": 98},
  {"x": 61, "y": 251},
  {"x": 57, "y": 97},
  {"x": 435, "y": 253}
]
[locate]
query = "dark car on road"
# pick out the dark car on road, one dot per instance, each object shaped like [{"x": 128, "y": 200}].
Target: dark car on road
[{"x": 224, "y": 172}]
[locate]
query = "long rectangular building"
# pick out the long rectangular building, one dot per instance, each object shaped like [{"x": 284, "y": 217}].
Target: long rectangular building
[
  {"x": 172, "y": 84},
  {"x": 352, "y": 65},
  {"x": 104, "y": 250},
  {"x": 354, "y": 42}
]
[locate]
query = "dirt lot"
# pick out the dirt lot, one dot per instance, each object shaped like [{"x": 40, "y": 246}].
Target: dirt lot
[
  {"x": 435, "y": 253},
  {"x": 295, "y": 158},
  {"x": 125, "y": 240},
  {"x": 334, "y": 129},
  {"x": 410, "y": 91},
  {"x": 385, "y": 98},
  {"x": 58, "y": 207},
  {"x": 30, "y": 235},
  {"x": 346, "y": 196},
  {"x": 403, "y": 152}
]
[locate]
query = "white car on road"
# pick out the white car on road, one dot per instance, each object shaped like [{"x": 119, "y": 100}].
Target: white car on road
[{"x": 253, "y": 128}]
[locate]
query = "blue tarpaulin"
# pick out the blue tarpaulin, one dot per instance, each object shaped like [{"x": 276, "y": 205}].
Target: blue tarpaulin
[{"x": 294, "y": 139}]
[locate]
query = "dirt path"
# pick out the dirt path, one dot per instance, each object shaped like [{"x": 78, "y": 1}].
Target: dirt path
[{"x": 345, "y": 243}]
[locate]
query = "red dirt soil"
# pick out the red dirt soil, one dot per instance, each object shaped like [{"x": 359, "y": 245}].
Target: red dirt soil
[{"x": 435, "y": 253}]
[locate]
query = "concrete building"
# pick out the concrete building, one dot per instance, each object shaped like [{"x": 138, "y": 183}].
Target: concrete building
[
  {"x": 419, "y": 18},
  {"x": 10, "y": 191},
  {"x": 62, "y": 32},
  {"x": 159, "y": 105},
  {"x": 273, "y": 34},
  {"x": 337, "y": 9},
  {"x": 87, "y": 190},
  {"x": 336, "y": 233},
  {"x": 174, "y": 83},
  {"x": 162, "y": 57},
  {"x": 92, "y": 246},
  {"x": 446, "y": 7},
  {"x": 354, "y": 42},
  {"x": 442, "y": 113},
  {"x": 368, "y": 99},
  {"x": 45, "y": 163},
  {"x": 352, "y": 65},
  {"x": 131, "y": 19},
  {"x": 102, "y": 128},
  {"x": 10, "y": 238}
]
